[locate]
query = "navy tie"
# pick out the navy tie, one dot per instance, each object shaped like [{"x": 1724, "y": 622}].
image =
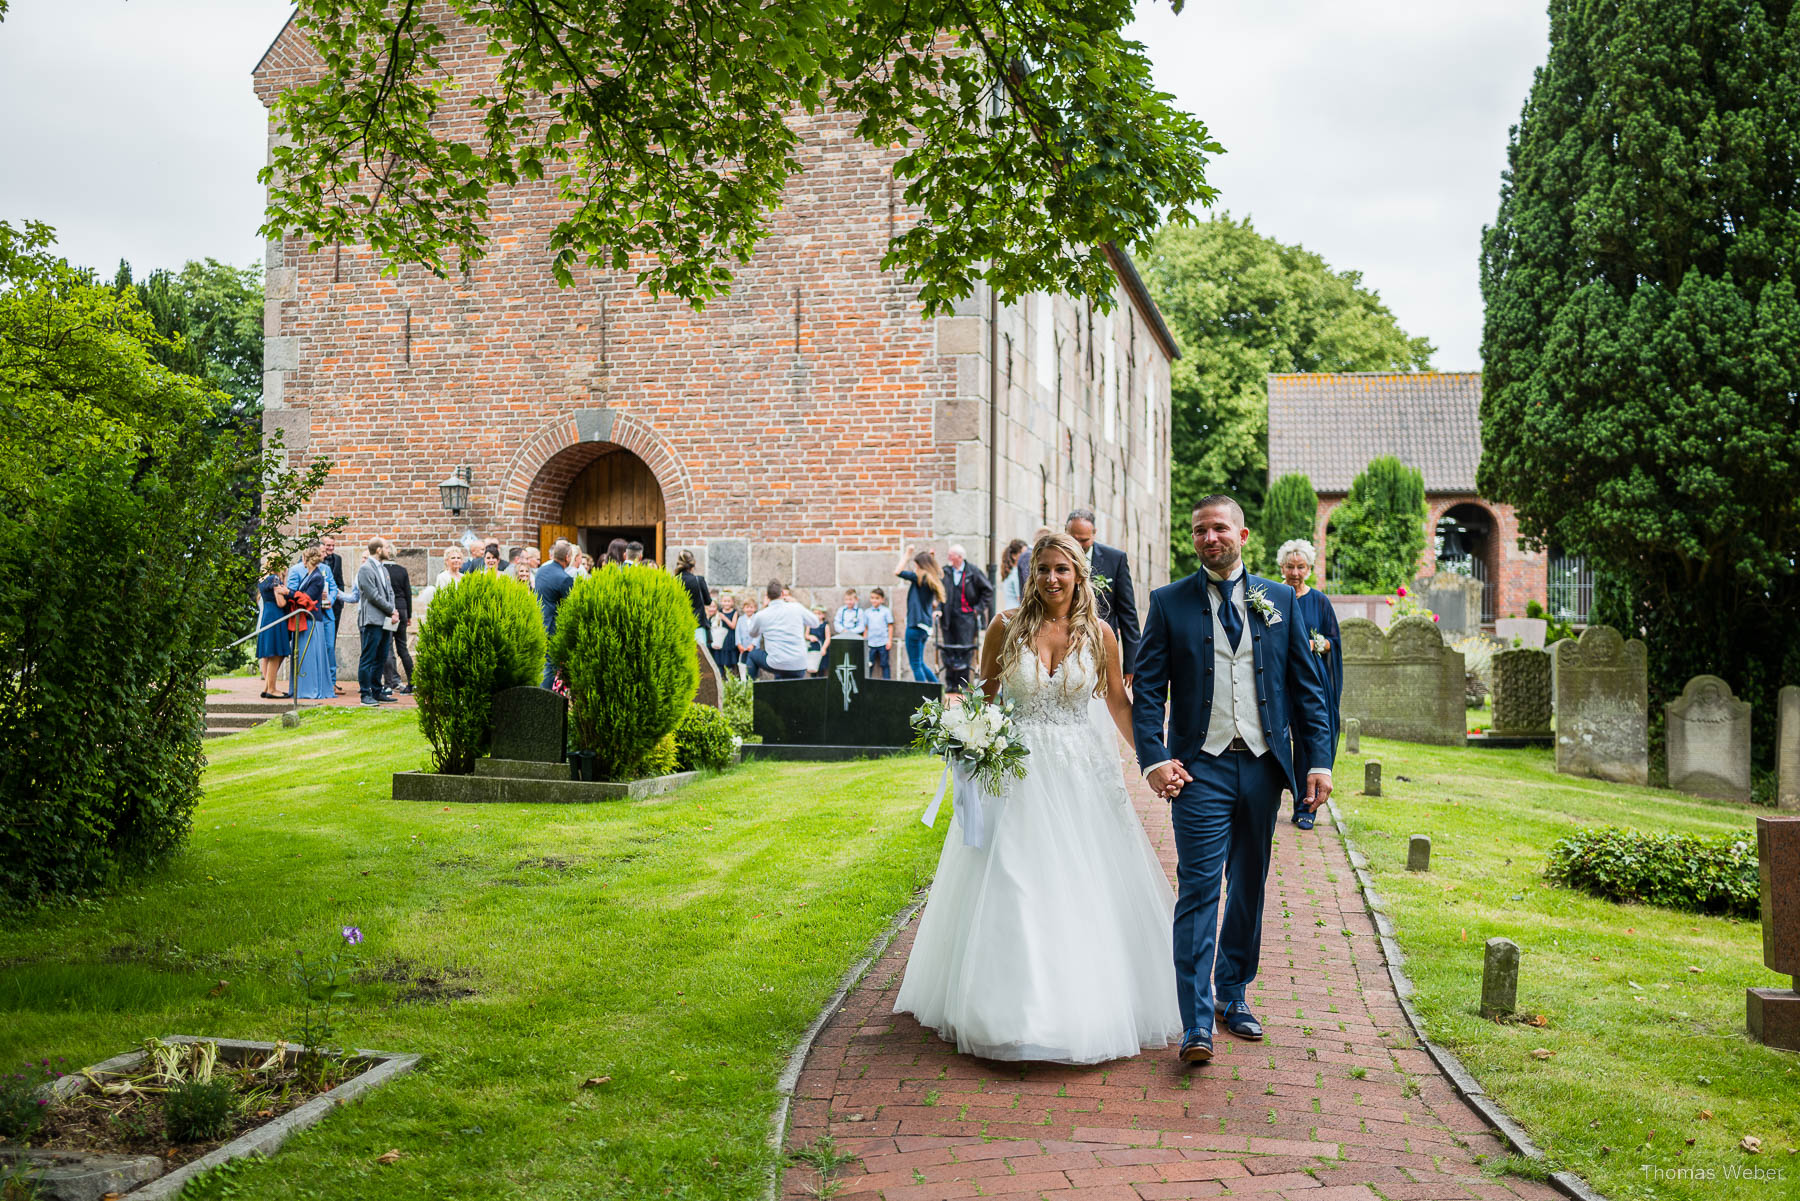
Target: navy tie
[{"x": 1228, "y": 614}]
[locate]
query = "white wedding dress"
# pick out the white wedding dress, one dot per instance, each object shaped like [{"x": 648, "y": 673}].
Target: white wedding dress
[{"x": 1052, "y": 942}]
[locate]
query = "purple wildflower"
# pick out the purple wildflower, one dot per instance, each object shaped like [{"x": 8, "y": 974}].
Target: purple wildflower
[{"x": 353, "y": 935}]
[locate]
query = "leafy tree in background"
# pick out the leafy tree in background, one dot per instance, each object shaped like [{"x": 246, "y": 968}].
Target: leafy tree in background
[
  {"x": 1291, "y": 510},
  {"x": 209, "y": 316},
  {"x": 1378, "y": 533},
  {"x": 1642, "y": 339},
  {"x": 1242, "y": 305},
  {"x": 1033, "y": 134}
]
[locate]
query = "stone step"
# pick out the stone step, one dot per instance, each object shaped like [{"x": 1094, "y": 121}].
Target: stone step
[
  {"x": 236, "y": 721},
  {"x": 266, "y": 708},
  {"x": 211, "y": 732}
]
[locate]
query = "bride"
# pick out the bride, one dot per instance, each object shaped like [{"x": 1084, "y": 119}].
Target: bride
[{"x": 1052, "y": 942}]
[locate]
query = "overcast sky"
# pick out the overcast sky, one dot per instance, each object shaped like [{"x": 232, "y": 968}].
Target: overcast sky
[{"x": 1370, "y": 131}]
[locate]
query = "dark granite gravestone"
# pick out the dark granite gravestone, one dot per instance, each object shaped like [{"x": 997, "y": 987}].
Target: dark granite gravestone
[
  {"x": 531, "y": 724},
  {"x": 843, "y": 714},
  {"x": 1774, "y": 1013}
]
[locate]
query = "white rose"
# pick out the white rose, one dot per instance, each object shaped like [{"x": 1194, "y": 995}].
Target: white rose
[
  {"x": 1000, "y": 743},
  {"x": 976, "y": 740},
  {"x": 993, "y": 719}
]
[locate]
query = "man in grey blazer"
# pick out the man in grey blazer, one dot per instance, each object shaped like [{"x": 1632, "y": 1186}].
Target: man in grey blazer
[{"x": 378, "y": 621}]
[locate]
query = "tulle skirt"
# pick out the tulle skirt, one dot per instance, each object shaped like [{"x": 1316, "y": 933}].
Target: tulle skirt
[{"x": 1053, "y": 942}]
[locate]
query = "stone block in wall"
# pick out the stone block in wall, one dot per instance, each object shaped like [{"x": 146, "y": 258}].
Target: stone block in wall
[
  {"x": 728, "y": 562},
  {"x": 771, "y": 561},
  {"x": 274, "y": 389},
  {"x": 815, "y": 565},
  {"x": 972, "y": 379},
  {"x": 959, "y": 335},
  {"x": 294, "y": 425},
  {"x": 867, "y": 568},
  {"x": 281, "y": 354},
  {"x": 957, "y": 420},
  {"x": 955, "y": 513},
  {"x": 417, "y": 567},
  {"x": 971, "y": 465}
]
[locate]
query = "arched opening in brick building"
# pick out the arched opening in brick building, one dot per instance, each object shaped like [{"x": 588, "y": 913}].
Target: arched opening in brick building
[
  {"x": 1466, "y": 543},
  {"x": 592, "y": 493}
]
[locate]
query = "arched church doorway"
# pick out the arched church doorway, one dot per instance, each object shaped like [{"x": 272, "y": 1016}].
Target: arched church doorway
[
  {"x": 1466, "y": 543},
  {"x": 610, "y": 493}
]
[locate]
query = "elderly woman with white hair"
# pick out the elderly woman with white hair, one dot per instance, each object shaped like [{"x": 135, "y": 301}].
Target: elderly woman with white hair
[{"x": 1296, "y": 559}]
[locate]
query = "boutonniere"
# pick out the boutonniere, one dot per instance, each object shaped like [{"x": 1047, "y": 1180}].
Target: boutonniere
[
  {"x": 1101, "y": 583},
  {"x": 1321, "y": 645},
  {"x": 1260, "y": 604}
]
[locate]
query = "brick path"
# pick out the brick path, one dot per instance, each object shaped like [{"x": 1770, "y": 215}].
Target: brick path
[{"x": 1336, "y": 1104}]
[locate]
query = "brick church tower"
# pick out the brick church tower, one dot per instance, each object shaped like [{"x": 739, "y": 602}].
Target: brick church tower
[{"x": 805, "y": 427}]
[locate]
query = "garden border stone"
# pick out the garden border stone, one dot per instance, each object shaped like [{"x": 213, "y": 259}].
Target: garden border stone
[
  {"x": 262, "y": 1140},
  {"x": 1467, "y": 1087},
  {"x": 489, "y": 789}
]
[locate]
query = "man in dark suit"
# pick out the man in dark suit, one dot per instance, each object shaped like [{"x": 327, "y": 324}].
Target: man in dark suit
[
  {"x": 967, "y": 595},
  {"x": 375, "y": 616},
  {"x": 552, "y": 584},
  {"x": 400, "y": 653},
  {"x": 1228, "y": 652},
  {"x": 334, "y": 563},
  {"x": 1111, "y": 573}
]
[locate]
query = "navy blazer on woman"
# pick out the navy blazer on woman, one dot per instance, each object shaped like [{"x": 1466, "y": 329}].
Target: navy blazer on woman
[{"x": 1290, "y": 688}]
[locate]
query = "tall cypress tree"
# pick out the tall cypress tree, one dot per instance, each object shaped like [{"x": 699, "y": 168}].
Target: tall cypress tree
[
  {"x": 1642, "y": 342},
  {"x": 1289, "y": 511}
]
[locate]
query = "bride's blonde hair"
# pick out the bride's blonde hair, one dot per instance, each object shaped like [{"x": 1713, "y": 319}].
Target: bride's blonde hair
[{"x": 1029, "y": 617}]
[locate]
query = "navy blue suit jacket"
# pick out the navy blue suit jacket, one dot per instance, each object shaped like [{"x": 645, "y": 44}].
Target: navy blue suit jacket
[{"x": 1175, "y": 668}]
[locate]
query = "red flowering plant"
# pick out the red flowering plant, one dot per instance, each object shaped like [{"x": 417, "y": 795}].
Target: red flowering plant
[{"x": 1405, "y": 604}]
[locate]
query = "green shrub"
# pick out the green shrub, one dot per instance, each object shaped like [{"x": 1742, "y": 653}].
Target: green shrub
[
  {"x": 663, "y": 758},
  {"x": 22, "y": 1111},
  {"x": 195, "y": 1111},
  {"x": 625, "y": 644},
  {"x": 1555, "y": 629},
  {"x": 739, "y": 705},
  {"x": 484, "y": 634},
  {"x": 703, "y": 740},
  {"x": 1679, "y": 871},
  {"x": 1378, "y": 533}
]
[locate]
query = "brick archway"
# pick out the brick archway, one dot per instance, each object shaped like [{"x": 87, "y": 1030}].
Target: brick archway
[{"x": 543, "y": 468}]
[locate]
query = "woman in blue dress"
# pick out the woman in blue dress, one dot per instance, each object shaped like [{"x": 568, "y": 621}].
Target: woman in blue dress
[
  {"x": 317, "y": 647},
  {"x": 1296, "y": 559},
  {"x": 273, "y": 644}
]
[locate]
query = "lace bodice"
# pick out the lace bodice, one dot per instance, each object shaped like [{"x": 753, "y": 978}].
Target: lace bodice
[{"x": 1039, "y": 697}]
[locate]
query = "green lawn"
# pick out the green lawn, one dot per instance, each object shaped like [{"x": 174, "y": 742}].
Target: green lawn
[
  {"x": 679, "y": 945},
  {"x": 1642, "y": 1044}
]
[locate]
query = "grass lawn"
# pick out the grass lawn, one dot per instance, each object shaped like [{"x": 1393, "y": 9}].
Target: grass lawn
[
  {"x": 678, "y": 945},
  {"x": 1643, "y": 1046}
]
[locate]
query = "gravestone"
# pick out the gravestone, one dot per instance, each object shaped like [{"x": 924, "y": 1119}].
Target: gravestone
[
  {"x": 841, "y": 714},
  {"x": 531, "y": 724},
  {"x": 1522, "y": 692},
  {"x": 1404, "y": 683},
  {"x": 1774, "y": 1013},
  {"x": 1787, "y": 751},
  {"x": 1529, "y": 631},
  {"x": 1418, "y": 853},
  {"x": 1499, "y": 978},
  {"x": 1353, "y": 737},
  {"x": 1602, "y": 707},
  {"x": 1456, "y": 599},
  {"x": 711, "y": 689},
  {"x": 1709, "y": 741},
  {"x": 1372, "y": 778}
]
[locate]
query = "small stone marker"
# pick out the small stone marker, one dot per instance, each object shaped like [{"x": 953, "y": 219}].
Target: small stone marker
[
  {"x": 1787, "y": 752},
  {"x": 1372, "y": 778},
  {"x": 1353, "y": 736},
  {"x": 1773, "y": 1014},
  {"x": 1418, "y": 853},
  {"x": 1500, "y": 978},
  {"x": 1709, "y": 741},
  {"x": 531, "y": 724}
]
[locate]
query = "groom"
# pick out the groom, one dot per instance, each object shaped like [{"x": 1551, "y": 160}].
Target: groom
[{"x": 1228, "y": 653}]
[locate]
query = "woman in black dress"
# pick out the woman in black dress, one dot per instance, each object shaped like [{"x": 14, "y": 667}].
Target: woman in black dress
[
  {"x": 274, "y": 644},
  {"x": 1296, "y": 559},
  {"x": 698, "y": 596}
]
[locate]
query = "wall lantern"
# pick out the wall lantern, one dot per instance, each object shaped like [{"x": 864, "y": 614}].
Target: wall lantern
[{"x": 455, "y": 490}]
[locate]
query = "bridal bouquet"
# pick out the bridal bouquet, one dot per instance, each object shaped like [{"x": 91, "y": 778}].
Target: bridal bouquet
[{"x": 977, "y": 737}]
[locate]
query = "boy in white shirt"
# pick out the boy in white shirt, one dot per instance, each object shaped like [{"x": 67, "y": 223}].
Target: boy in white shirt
[{"x": 849, "y": 618}]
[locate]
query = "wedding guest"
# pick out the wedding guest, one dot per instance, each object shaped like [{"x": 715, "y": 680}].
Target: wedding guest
[
  {"x": 334, "y": 563},
  {"x": 724, "y": 638},
  {"x": 1110, "y": 572},
  {"x": 533, "y": 559},
  {"x": 634, "y": 554},
  {"x": 520, "y": 572},
  {"x": 376, "y": 619},
  {"x": 967, "y": 596},
  {"x": 781, "y": 626},
  {"x": 698, "y": 596},
  {"x": 453, "y": 562},
  {"x": 274, "y": 644},
  {"x": 1011, "y": 582},
  {"x": 818, "y": 639},
  {"x": 1023, "y": 570},
  {"x": 849, "y": 617},
  {"x": 553, "y": 585},
  {"x": 748, "y": 656},
  {"x": 923, "y": 600},
  {"x": 584, "y": 565},
  {"x": 316, "y": 647},
  {"x": 398, "y": 652},
  {"x": 615, "y": 552},
  {"x": 490, "y": 559},
  {"x": 878, "y": 625},
  {"x": 474, "y": 554},
  {"x": 1297, "y": 559}
]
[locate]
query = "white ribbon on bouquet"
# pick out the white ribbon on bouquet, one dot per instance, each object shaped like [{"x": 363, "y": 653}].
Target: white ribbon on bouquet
[{"x": 969, "y": 802}]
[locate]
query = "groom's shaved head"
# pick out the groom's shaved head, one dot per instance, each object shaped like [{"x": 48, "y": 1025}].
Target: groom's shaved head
[{"x": 1229, "y": 502}]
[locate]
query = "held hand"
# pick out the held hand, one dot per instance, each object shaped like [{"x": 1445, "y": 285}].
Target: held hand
[
  {"x": 1318, "y": 789},
  {"x": 1167, "y": 779}
]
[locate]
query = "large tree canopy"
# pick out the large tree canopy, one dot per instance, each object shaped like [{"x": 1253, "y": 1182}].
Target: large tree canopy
[
  {"x": 1032, "y": 133},
  {"x": 1642, "y": 340},
  {"x": 1240, "y": 306},
  {"x": 209, "y": 319}
]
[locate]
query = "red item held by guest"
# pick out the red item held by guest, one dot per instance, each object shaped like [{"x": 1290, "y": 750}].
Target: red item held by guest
[{"x": 300, "y": 604}]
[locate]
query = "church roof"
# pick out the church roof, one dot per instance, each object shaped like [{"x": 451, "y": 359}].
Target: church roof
[{"x": 1328, "y": 426}]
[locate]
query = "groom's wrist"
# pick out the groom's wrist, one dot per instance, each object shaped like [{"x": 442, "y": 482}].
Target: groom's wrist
[{"x": 1154, "y": 766}]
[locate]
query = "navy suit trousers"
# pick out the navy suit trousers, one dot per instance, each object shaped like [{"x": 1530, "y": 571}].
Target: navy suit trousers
[
  {"x": 375, "y": 641},
  {"x": 1224, "y": 825}
]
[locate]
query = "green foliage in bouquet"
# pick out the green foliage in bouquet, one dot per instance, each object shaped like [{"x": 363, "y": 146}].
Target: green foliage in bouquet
[
  {"x": 978, "y": 734},
  {"x": 481, "y": 635},
  {"x": 625, "y": 643}
]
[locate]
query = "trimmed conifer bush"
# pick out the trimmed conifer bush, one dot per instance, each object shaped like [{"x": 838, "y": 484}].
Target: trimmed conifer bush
[
  {"x": 703, "y": 739},
  {"x": 1378, "y": 533},
  {"x": 625, "y": 644},
  {"x": 484, "y": 634}
]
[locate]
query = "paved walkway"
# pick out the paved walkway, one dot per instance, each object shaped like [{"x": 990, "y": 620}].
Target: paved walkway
[{"x": 1336, "y": 1104}]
